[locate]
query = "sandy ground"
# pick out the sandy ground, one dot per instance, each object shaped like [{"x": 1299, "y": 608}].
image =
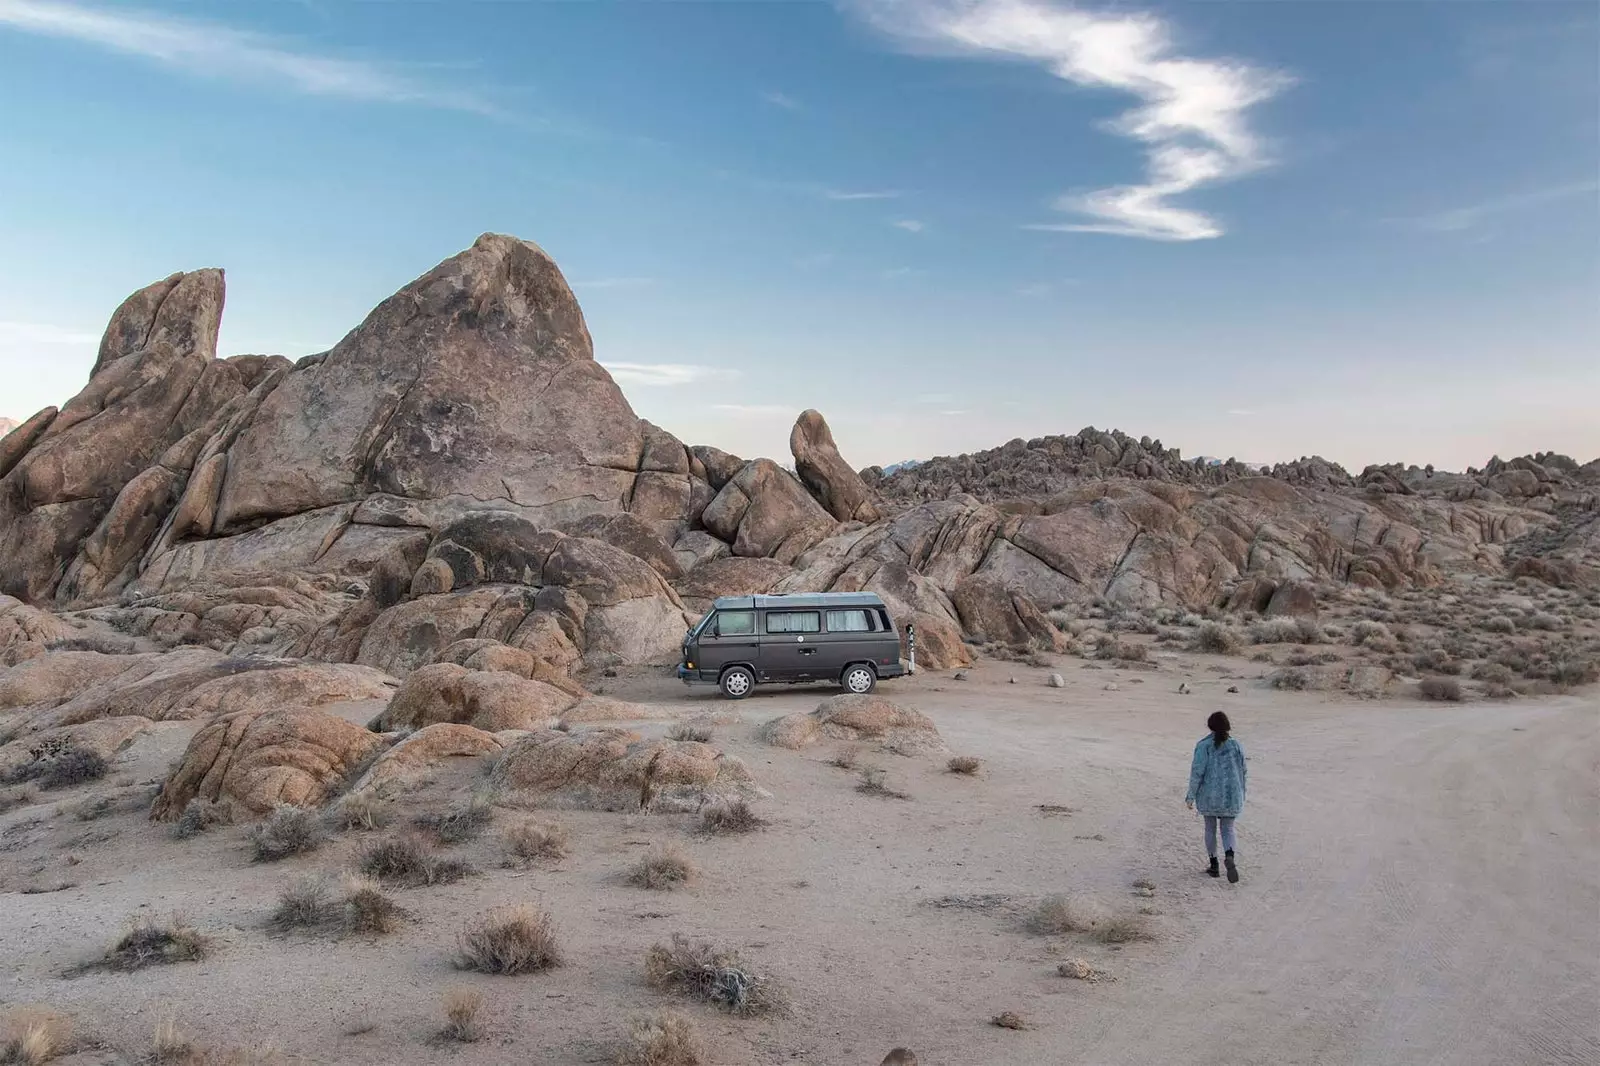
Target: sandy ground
[{"x": 1421, "y": 885}]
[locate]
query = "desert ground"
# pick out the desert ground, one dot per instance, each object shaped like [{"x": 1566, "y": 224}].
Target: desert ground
[{"x": 1421, "y": 884}]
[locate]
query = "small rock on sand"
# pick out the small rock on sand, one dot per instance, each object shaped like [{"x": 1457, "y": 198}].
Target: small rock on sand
[{"x": 1057, "y": 681}]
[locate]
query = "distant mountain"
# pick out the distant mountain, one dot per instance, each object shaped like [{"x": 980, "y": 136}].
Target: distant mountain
[
  {"x": 7, "y": 425},
  {"x": 904, "y": 464}
]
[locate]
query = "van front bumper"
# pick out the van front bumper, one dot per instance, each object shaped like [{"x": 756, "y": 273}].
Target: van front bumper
[{"x": 689, "y": 677}]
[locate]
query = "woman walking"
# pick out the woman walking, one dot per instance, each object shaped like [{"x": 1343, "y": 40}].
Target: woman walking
[{"x": 1216, "y": 786}]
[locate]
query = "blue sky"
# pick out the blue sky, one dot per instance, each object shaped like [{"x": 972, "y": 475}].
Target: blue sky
[{"x": 1365, "y": 230}]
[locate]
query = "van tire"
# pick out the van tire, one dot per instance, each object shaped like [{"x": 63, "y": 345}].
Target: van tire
[
  {"x": 737, "y": 682},
  {"x": 859, "y": 679}
]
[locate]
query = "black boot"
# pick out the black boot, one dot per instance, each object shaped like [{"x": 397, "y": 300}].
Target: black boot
[
  {"x": 1233, "y": 871},
  {"x": 1213, "y": 868}
]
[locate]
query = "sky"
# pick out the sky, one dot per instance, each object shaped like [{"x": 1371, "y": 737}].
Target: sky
[{"x": 1368, "y": 231}]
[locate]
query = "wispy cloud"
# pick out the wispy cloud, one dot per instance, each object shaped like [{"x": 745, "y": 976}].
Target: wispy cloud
[
  {"x": 783, "y": 100},
  {"x": 612, "y": 283},
  {"x": 665, "y": 374},
  {"x": 35, "y": 333},
  {"x": 1458, "y": 219},
  {"x": 1045, "y": 288},
  {"x": 755, "y": 410},
  {"x": 910, "y": 225},
  {"x": 1240, "y": 412},
  {"x": 880, "y": 194},
  {"x": 213, "y": 50},
  {"x": 1191, "y": 114}
]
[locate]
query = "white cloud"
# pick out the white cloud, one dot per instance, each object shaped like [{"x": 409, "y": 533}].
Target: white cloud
[
  {"x": 1191, "y": 113},
  {"x": 1458, "y": 219},
  {"x": 883, "y": 194},
  {"x": 910, "y": 225},
  {"x": 755, "y": 410},
  {"x": 783, "y": 100},
  {"x": 32, "y": 333},
  {"x": 665, "y": 374},
  {"x": 612, "y": 283},
  {"x": 213, "y": 50}
]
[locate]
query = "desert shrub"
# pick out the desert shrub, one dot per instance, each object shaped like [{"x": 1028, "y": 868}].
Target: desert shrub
[
  {"x": 664, "y": 866},
  {"x": 700, "y": 734},
  {"x": 1497, "y": 623},
  {"x": 34, "y": 1037},
  {"x": 874, "y": 782},
  {"x": 1213, "y": 638},
  {"x": 52, "y": 766},
  {"x": 1294, "y": 680},
  {"x": 154, "y": 943},
  {"x": 509, "y": 940},
  {"x": 1547, "y": 621},
  {"x": 846, "y": 757},
  {"x": 1575, "y": 671},
  {"x": 365, "y": 908},
  {"x": 198, "y": 816},
  {"x": 662, "y": 1039},
  {"x": 1311, "y": 658},
  {"x": 695, "y": 968},
  {"x": 1062, "y": 620},
  {"x": 963, "y": 764},
  {"x": 1284, "y": 631},
  {"x": 533, "y": 842},
  {"x": 1365, "y": 632},
  {"x": 1057, "y": 914},
  {"x": 362, "y": 812},
  {"x": 303, "y": 904},
  {"x": 171, "y": 1046},
  {"x": 18, "y": 797},
  {"x": 287, "y": 831},
  {"x": 730, "y": 816},
  {"x": 1109, "y": 647},
  {"x": 1493, "y": 673},
  {"x": 405, "y": 860},
  {"x": 461, "y": 1007},
  {"x": 463, "y": 821},
  {"x": 1440, "y": 688}
]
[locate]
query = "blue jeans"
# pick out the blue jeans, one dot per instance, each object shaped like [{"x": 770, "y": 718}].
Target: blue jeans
[{"x": 1211, "y": 834}]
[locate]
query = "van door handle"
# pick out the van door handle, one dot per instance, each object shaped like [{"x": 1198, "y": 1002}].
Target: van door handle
[{"x": 808, "y": 651}]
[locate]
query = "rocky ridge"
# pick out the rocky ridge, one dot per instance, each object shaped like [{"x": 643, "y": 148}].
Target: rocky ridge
[{"x": 458, "y": 497}]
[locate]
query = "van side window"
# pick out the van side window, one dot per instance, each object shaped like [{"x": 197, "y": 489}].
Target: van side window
[
  {"x": 794, "y": 622},
  {"x": 735, "y": 623},
  {"x": 856, "y": 621}
]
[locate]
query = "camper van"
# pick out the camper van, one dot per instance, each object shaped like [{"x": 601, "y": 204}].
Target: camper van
[{"x": 744, "y": 641}]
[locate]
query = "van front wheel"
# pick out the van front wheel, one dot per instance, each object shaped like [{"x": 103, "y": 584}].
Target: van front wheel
[
  {"x": 859, "y": 679},
  {"x": 737, "y": 682}
]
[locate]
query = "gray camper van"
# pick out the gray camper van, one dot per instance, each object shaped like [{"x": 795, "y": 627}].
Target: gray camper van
[{"x": 743, "y": 641}]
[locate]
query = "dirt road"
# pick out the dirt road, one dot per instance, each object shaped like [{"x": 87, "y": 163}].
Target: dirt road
[{"x": 1421, "y": 885}]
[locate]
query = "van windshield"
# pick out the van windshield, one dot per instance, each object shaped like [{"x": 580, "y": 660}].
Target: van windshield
[{"x": 700, "y": 626}]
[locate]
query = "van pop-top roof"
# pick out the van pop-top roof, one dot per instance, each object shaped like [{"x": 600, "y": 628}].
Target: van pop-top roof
[{"x": 800, "y": 600}]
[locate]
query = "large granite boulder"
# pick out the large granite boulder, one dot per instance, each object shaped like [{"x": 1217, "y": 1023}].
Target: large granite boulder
[
  {"x": 831, "y": 480},
  {"x": 764, "y": 511}
]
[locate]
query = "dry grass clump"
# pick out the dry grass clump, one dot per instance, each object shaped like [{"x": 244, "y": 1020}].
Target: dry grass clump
[
  {"x": 700, "y": 734},
  {"x": 155, "y": 943},
  {"x": 964, "y": 764},
  {"x": 509, "y": 940},
  {"x": 362, "y": 812},
  {"x": 1440, "y": 688},
  {"x": 846, "y": 757},
  {"x": 463, "y": 821},
  {"x": 18, "y": 797},
  {"x": 1216, "y": 639},
  {"x": 530, "y": 841},
  {"x": 1548, "y": 621},
  {"x": 874, "y": 782},
  {"x": 34, "y": 1036},
  {"x": 1080, "y": 970},
  {"x": 361, "y": 906},
  {"x": 461, "y": 1007},
  {"x": 303, "y": 904},
  {"x": 1372, "y": 634},
  {"x": 287, "y": 831},
  {"x": 662, "y": 1039},
  {"x": 198, "y": 816},
  {"x": 171, "y": 1046},
  {"x": 1285, "y": 631},
  {"x": 1497, "y": 623},
  {"x": 1109, "y": 647},
  {"x": 1058, "y": 914},
  {"x": 366, "y": 909},
  {"x": 730, "y": 816},
  {"x": 405, "y": 860},
  {"x": 1009, "y": 1019},
  {"x": 1294, "y": 680},
  {"x": 664, "y": 866},
  {"x": 56, "y": 764},
  {"x": 696, "y": 968}
]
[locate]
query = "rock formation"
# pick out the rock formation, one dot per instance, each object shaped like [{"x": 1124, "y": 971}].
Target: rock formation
[{"x": 456, "y": 499}]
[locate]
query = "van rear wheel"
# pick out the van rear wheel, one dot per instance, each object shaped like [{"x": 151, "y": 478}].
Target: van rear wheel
[
  {"x": 859, "y": 679},
  {"x": 737, "y": 682}
]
